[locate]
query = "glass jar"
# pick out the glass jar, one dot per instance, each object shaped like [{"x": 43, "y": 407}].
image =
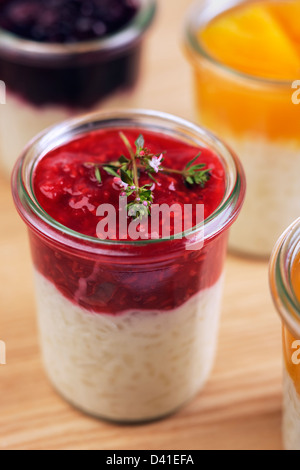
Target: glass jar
[
  {"x": 128, "y": 329},
  {"x": 285, "y": 288},
  {"x": 48, "y": 82},
  {"x": 260, "y": 122}
]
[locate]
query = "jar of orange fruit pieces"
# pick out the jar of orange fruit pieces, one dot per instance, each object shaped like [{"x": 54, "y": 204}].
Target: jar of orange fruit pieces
[
  {"x": 245, "y": 57},
  {"x": 285, "y": 288}
]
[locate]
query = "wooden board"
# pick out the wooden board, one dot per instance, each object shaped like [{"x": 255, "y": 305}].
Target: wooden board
[{"x": 240, "y": 408}]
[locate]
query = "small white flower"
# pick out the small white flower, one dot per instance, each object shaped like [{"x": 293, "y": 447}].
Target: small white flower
[{"x": 155, "y": 163}]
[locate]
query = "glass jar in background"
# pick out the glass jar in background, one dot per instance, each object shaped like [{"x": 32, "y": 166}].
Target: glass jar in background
[
  {"x": 128, "y": 329},
  {"x": 255, "y": 116},
  {"x": 285, "y": 288},
  {"x": 49, "y": 82}
]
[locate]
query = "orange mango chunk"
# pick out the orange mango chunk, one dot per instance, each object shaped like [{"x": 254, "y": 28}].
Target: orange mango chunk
[
  {"x": 252, "y": 40},
  {"x": 287, "y": 14}
]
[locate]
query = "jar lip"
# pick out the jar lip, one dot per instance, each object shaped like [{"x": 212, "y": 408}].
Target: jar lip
[
  {"x": 15, "y": 46},
  {"x": 28, "y": 206},
  {"x": 199, "y": 14},
  {"x": 282, "y": 259}
]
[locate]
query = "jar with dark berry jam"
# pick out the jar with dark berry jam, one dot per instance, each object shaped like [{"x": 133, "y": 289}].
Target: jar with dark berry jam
[{"x": 59, "y": 58}]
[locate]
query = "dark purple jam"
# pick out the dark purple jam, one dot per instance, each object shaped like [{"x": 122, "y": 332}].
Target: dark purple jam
[
  {"x": 77, "y": 79},
  {"x": 65, "y": 21}
]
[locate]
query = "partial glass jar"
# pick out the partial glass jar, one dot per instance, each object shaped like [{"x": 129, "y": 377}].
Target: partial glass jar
[
  {"x": 153, "y": 349},
  {"x": 285, "y": 288},
  {"x": 258, "y": 119},
  {"x": 49, "y": 82}
]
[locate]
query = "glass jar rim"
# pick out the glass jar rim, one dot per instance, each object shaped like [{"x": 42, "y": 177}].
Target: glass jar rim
[
  {"x": 17, "y": 47},
  {"x": 282, "y": 259},
  {"x": 201, "y": 13},
  {"x": 32, "y": 213}
]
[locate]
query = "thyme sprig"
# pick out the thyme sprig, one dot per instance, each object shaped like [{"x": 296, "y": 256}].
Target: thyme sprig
[{"x": 126, "y": 172}]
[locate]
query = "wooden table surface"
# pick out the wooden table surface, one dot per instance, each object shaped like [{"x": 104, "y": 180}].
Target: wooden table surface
[{"x": 240, "y": 408}]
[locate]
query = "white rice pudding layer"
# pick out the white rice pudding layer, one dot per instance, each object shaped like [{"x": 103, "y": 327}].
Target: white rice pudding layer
[
  {"x": 272, "y": 199},
  {"x": 20, "y": 122},
  {"x": 291, "y": 415},
  {"x": 135, "y": 366}
]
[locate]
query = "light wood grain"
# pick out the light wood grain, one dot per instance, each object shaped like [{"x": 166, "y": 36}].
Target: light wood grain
[{"x": 240, "y": 408}]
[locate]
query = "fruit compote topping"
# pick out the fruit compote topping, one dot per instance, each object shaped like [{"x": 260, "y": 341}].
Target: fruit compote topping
[
  {"x": 258, "y": 38},
  {"x": 146, "y": 169},
  {"x": 72, "y": 181},
  {"x": 65, "y": 21}
]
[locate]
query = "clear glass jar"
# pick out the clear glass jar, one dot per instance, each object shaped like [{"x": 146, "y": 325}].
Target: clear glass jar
[
  {"x": 258, "y": 119},
  {"x": 143, "y": 357},
  {"x": 48, "y": 83},
  {"x": 285, "y": 288}
]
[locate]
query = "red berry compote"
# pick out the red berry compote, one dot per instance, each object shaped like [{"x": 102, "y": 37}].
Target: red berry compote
[{"x": 128, "y": 325}]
